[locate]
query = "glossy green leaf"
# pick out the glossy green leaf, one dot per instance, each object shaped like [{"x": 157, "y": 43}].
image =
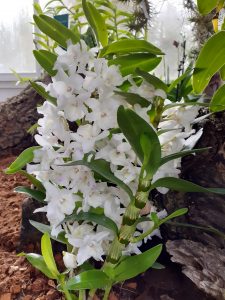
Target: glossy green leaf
[
  {"x": 218, "y": 101},
  {"x": 187, "y": 74},
  {"x": 41, "y": 91},
  {"x": 96, "y": 21},
  {"x": 37, "y": 8},
  {"x": 35, "y": 194},
  {"x": 38, "y": 262},
  {"x": 46, "y": 228},
  {"x": 99, "y": 219},
  {"x": 102, "y": 167},
  {"x": 170, "y": 157},
  {"x": 222, "y": 71},
  {"x": 33, "y": 180},
  {"x": 92, "y": 279},
  {"x": 137, "y": 264},
  {"x": 133, "y": 99},
  {"x": 129, "y": 63},
  {"x": 206, "y": 6},
  {"x": 176, "y": 214},
  {"x": 155, "y": 81},
  {"x": 55, "y": 30},
  {"x": 152, "y": 152},
  {"x": 24, "y": 158},
  {"x": 133, "y": 126},
  {"x": 182, "y": 185},
  {"x": 46, "y": 60},
  {"x": 210, "y": 60},
  {"x": 46, "y": 250},
  {"x": 126, "y": 46}
]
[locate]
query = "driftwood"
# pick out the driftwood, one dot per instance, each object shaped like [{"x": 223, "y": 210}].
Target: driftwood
[
  {"x": 204, "y": 265},
  {"x": 205, "y": 210}
]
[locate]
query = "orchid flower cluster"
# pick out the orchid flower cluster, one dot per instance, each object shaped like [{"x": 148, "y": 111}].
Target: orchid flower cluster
[
  {"x": 109, "y": 134},
  {"x": 85, "y": 88}
]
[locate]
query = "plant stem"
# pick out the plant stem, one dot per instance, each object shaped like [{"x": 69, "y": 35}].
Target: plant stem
[
  {"x": 67, "y": 294},
  {"x": 81, "y": 294},
  {"x": 143, "y": 235},
  {"x": 107, "y": 291}
]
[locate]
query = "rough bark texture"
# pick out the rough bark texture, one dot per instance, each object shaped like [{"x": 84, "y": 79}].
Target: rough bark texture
[
  {"x": 17, "y": 115},
  {"x": 207, "y": 210},
  {"x": 204, "y": 265}
]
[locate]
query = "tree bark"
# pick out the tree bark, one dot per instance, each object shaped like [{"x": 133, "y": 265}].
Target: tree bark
[
  {"x": 17, "y": 115},
  {"x": 199, "y": 251}
]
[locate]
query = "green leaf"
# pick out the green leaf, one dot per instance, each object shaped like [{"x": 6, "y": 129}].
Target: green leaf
[
  {"x": 24, "y": 158},
  {"x": 92, "y": 279},
  {"x": 46, "y": 228},
  {"x": 133, "y": 126},
  {"x": 137, "y": 264},
  {"x": 210, "y": 60},
  {"x": 102, "y": 167},
  {"x": 158, "y": 266},
  {"x": 206, "y": 6},
  {"x": 155, "y": 81},
  {"x": 46, "y": 250},
  {"x": 222, "y": 72},
  {"x": 129, "y": 63},
  {"x": 170, "y": 157},
  {"x": 37, "y": 8},
  {"x": 41, "y": 91},
  {"x": 99, "y": 219},
  {"x": 38, "y": 262},
  {"x": 177, "y": 213},
  {"x": 218, "y": 101},
  {"x": 55, "y": 30},
  {"x": 46, "y": 60},
  {"x": 126, "y": 46},
  {"x": 187, "y": 74},
  {"x": 35, "y": 194},
  {"x": 152, "y": 152},
  {"x": 182, "y": 185},
  {"x": 33, "y": 180},
  {"x": 96, "y": 21},
  {"x": 133, "y": 99}
]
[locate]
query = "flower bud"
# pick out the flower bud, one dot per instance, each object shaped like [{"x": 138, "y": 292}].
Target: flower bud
[{"x": 69, "y": 260}]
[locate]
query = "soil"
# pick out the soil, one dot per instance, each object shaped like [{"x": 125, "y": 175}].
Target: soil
[{"x": 18, "y": 280}]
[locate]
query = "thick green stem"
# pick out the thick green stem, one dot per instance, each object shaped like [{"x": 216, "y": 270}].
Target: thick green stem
[
  {"x": 81, "y": 295},
  {"x": 158, "y": 113},
  {"x": 107, "y": 292},
  {"x": 67, "y": 294},
  {"x": 128, "y": 227}
]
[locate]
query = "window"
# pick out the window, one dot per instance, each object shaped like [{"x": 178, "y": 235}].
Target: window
[{"x": 16, "y": 44}]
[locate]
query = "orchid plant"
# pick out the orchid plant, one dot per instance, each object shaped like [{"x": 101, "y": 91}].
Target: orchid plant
[{"x": 108, "y": 136}]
